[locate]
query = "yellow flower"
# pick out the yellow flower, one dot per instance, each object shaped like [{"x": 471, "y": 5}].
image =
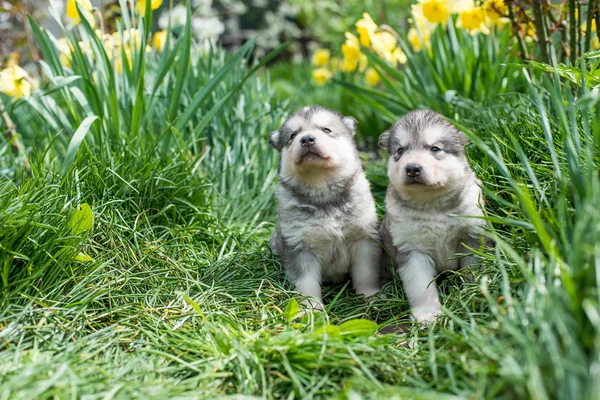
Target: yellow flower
[
  {"x": 366, "y": 28},
  {"x": 64, "y": 48},
  {"x": 351, "y": 51},
  {"x": 322, "y": 76},
  {"x": 473, "y": 21},
  {"x": 321, "y": 57},
  {"x": 458, "y": 6},
  {"x": 120, "y": 62},
  {"x": 398, "y": 57},
  {"x": 140, "y": 5},
  {"x": 85, "y": 6},
  {"x": 495, "y": 9},
  {"x": 416, "y": 43},
  {"x": 372, "y": 77},
  {"x": 384, "y": 42},
  {"x": 15, "y": 82},
  {"x": 435, "y": 11},
  {"x": 159, "y": 40}
]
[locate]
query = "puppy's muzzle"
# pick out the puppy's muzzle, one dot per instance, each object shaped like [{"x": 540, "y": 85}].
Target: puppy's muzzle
[
  {"x": 413, "y": 170},
  {"x": 307, "y": 141}
]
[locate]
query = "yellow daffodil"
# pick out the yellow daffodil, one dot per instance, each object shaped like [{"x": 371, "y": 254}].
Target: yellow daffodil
[
  {"x": 458, "y": 6},
  {"x": 159, "y": 40},
  {"x": 15, "y": 82},
  {"x": 398, "y": 57},
  {"x": 120, "y": 62},
  {"x": 85, "y": 6},
  {"x": 495, "y": 9},
  {"x": 64, "y": 48},
  {"x": 140, "y": 5},
  {"x": 385, "y": 42},
  {"x": 372, "y": 77},
  {"x": 416, "y": 43},
  {"x": 366, "y": 28},
  {"x": 321, "y": 57},
  {"x": 473, "y": 21},
  {"x": 322, "y": 76},
  {"x": 351, "y": 51},
  {"x": 435, "y": 11}
]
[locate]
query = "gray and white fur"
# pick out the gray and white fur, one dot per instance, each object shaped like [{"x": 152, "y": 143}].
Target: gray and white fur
[
  {"x": 431, "y": 185},
  {"x": 327, "y": 222}
]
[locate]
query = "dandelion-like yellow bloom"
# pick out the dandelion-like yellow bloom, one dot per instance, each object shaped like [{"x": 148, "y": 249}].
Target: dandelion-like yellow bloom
[
  {"x": 473, "y": 21},
  {"x": 86, "y": 7},
  {"x": 435, "y": 11},
  {"x": 366, "y": 28},
  {"x": 322, "y": 76},
  {"x": 15, "y": 82},
  {"x": 495, "y": 9},
  {"x": 372, "y": 77},
  {"x": 321, "y": 57},
  {"x": 384, "y": 42},
  {"x": 159, "y": 40},
  {"x": 140, "y": 5}
]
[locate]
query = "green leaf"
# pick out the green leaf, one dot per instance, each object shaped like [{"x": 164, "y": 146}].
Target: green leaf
[
  {"x": 83, "y": 258},
  {"x": 291, "y": 310},
  {"x": 329, "y": 330},
  {"x": 358, "y": 328},
  {"x": 82, "y": 220},
  {"x": 76, "y": 140}
]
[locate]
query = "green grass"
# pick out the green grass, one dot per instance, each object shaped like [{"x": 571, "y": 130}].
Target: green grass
[{"x": 183, "y": 298}]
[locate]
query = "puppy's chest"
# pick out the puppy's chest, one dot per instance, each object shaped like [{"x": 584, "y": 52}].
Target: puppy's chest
[{"x": 437, "y": 235}]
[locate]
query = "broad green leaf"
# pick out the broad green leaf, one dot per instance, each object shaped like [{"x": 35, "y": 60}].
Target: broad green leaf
[
  {"x": 291, "y": 310},
  {"x": 358, "y": 327},
  {"x": 76, "y": 140},
  {"x": 82, "y": 220}
]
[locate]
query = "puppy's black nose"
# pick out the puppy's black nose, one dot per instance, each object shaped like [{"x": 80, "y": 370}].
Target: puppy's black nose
[
  {"x": 307, "y": 140},
  {"x": 413, "y": 170}
]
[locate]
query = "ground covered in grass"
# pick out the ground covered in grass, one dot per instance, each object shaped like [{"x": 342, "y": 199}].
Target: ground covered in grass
[{"x": 171, "y": 290}]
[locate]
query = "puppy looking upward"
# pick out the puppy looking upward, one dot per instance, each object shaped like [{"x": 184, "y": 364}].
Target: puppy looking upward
[
  {"x": 327, "y": 223},
  {"x": 431, "y": 185}
]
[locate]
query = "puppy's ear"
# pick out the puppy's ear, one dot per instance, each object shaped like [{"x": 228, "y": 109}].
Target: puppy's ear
[
  {"x": 351, "y": 124},
  {"x": 464, "y": 140},
  {"x": 274, "y": 140},
  {"x": 384, "y": 139}
]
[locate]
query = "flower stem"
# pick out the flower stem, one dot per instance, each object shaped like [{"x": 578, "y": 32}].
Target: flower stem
[
  {"x": 572, "y": 32},
  {"x": 591, "y": 10},
  {"x": 541, "y": 32}
]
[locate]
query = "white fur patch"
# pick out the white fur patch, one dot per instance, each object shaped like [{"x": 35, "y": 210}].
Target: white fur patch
[
  {"x": 321, "y": 118},
  {"x": 434, "y": 133}
]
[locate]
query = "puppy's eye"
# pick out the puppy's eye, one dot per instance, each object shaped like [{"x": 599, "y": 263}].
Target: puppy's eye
[
  {"x": 293, "y": 136},
  {"x": 326, "y": 130},
  {"x": 435, "y": 149},
  {"x": 400, "y": 150}
]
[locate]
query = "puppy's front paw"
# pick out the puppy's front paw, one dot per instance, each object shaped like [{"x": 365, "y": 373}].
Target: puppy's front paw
[
  {"x": 426, "y": 315},
  {"x": 368, "y": 291}
]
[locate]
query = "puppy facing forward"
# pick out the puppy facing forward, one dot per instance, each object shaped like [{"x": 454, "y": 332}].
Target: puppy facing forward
[
  {"x": 431, "y": 186},
  {"x": 327, "y": 223}
]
